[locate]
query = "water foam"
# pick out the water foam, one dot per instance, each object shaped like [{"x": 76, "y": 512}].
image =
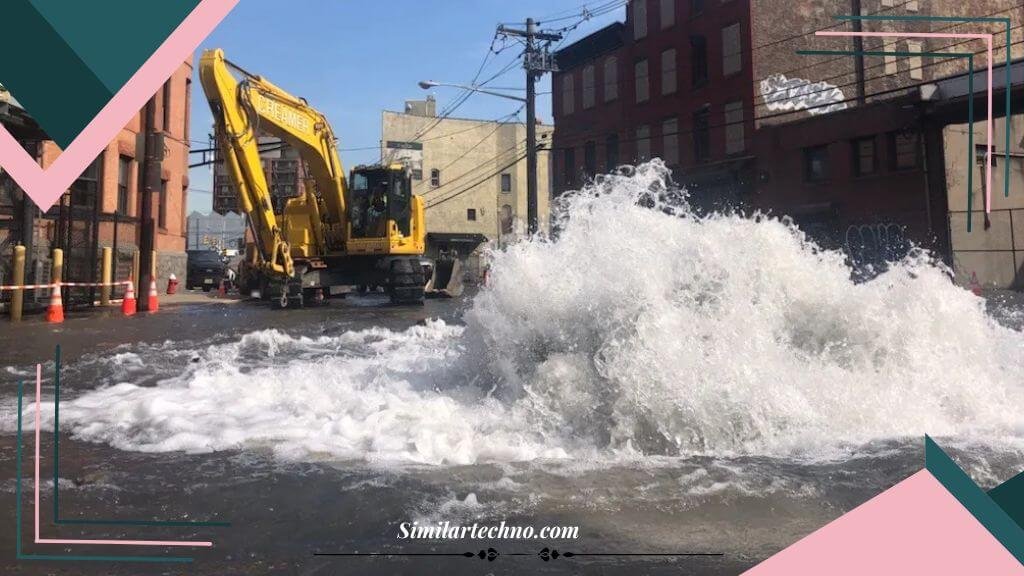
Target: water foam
[{"x": 643, "y": 330}]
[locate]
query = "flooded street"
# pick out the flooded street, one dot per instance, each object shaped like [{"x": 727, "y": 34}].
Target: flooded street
[{"x": 721, "y": 396}]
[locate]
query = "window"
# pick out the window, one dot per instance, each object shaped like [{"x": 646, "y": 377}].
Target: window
[
  {"x": 735, "y": 140},
  {"x": 916, "y": 72},
  {"x": 701, "y": 134},
  {"x": 696, "y": 7},
  {"x": 611, "y": 152},
  {"x": 864, "y": 160},
  {"x": 699, "y": 60},
  {"x": 611, "y": 78},
  {"x": 643, "y": 92},
  {"x": 668, "y": 13},
  {"x": 188, "y": 106},
  {"x": 506, "y": 183},
  {"x": 670, "y": 141},
  {"x": 568, "y": 97},
  {"x": 162, "y": 212},
  {"x": 569, "y": 168},
  {"x": 890, "y": 61},
  {"x": 643, "y": 142},
  {"x": 124, "y": 174},
  {"x": 668, "y": 71},
  {"x": 471, "y": 214},
  {"x": 816, "y": 164},
  {"x": 84, "y": 189},
  {"x": 167, "y": 106},
  {"x": 904, "y": 150},
  {"x": 639, "y": 19},
  {"x": 435, "y": 178},
  {"x": 590, "y": 159},
  {"x": 732, "y": 50},
  {"x": 588, "y": 86}
]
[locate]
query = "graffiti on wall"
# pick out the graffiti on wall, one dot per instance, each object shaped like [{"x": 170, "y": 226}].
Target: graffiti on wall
[
  {"x": 875, "y": 245},
  {"x": 790, "y": 94}
]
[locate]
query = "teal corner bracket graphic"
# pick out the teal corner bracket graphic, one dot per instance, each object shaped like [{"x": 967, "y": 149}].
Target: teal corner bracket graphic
[
  {"x": 970, "y": 101},
  {"x": 56, "y": 474},
  {"x": 96, "y": 47},
  {"x": 999, "y": 510},
  {"x": 19, "y": 555},
  {"x": 1009, "y": 42}
]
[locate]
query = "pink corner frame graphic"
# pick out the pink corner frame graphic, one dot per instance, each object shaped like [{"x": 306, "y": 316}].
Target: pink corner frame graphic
[
  {"x": 989, "y": 125},
  {"x": 40, "y": 540},
  {"x": 44, "y": 187}
]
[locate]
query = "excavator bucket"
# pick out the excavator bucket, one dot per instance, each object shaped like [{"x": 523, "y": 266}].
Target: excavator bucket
[{"x": 447, "y": 279}]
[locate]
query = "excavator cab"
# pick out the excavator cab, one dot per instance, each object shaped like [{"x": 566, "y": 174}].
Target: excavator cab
[{"x": 380, "y": 197}]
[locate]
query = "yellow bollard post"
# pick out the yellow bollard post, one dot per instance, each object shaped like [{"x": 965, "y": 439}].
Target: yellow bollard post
[
  {"x": 18, "y": 297},
  {"x": 136, "y": 269},
  {"x": 57, "y": 269},
  {"x": 106, "y": 275}
]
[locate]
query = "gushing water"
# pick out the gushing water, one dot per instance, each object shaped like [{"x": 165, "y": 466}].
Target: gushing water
[{"x": 642, "y": 330}]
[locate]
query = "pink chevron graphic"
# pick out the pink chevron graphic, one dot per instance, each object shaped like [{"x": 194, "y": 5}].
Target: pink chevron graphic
[
  {"x": 44, "y": 187},
  {"x": 915, "y": 527},
  {"x": 976, "y": 36}
]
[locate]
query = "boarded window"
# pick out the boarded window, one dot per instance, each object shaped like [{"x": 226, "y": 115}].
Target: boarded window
[
  {"x": 611, "y": 152},
  {"x": 643, "y": 142},
  {"x": 668, "y": 13},
  {"x": 568, "y": 94},
  {"x": 865, "y": 160},
  {"x": 506, "y": 182},
  {"x": 916, "y": 72},
  {"x": 732, "y": 50},
  {"x": 670, "y": 141},
  {"x": 668, "y": 71},
  {"x": 588, "y": 86},
  {"x": 611, "y": 78},
  {"x": 701, "y": 134},
  {"x": 643, "y": 92},
  {"x": 904, "y": 150},
  {"x": 639, "y": 19},
  {"x": 735, "y": 139},
  {"x": 699, "y": 59},
  {"x": 816, "y": 163},
  {"x": 890, "y": 61}
]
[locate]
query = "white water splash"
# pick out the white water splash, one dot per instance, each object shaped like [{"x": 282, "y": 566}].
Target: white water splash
[{"x": 642, "y": 330}]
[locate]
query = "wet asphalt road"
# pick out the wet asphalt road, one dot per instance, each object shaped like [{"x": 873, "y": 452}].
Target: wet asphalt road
[{"x": 280, "y": 514}]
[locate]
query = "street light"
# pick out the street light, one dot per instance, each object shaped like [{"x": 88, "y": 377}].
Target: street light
[{"x": 428, "y": 84}]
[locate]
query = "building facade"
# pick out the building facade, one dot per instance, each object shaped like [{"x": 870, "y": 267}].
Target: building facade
[
  {"x": 102, "y": 208},
  {"x": 471, "y": 175},
  {"x": 283, "y": 168},
  {"x": 688, "y": 81}
]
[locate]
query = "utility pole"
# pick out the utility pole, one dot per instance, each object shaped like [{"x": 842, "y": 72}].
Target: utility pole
[
  {"x": 153, "y": 146},
  {"x": 537, "y": 60}
]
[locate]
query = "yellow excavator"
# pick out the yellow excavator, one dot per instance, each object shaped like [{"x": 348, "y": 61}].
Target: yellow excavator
[{"x": 366, "y": 230}]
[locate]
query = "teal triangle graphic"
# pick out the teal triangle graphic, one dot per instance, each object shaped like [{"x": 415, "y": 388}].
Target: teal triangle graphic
[
  {"x": 65, "y": 60},
  {"x": 1010, "y": 497}
]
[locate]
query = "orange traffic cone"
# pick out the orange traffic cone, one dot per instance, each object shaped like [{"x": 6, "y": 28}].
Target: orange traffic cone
[
  {"x": 128, "y": 304},
  {"x": 154, "y": 298},
  {"x": 975, "y": 285},
  {"x": 55, "y": 313}
]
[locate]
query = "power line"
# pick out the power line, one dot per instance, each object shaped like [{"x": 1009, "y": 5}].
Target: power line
[
  {"x": 790, "y": 112},
  {"x": 477, "y": 183}
]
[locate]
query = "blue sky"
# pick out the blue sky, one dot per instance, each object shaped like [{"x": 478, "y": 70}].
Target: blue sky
[{"x": 353, "y": 59}]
